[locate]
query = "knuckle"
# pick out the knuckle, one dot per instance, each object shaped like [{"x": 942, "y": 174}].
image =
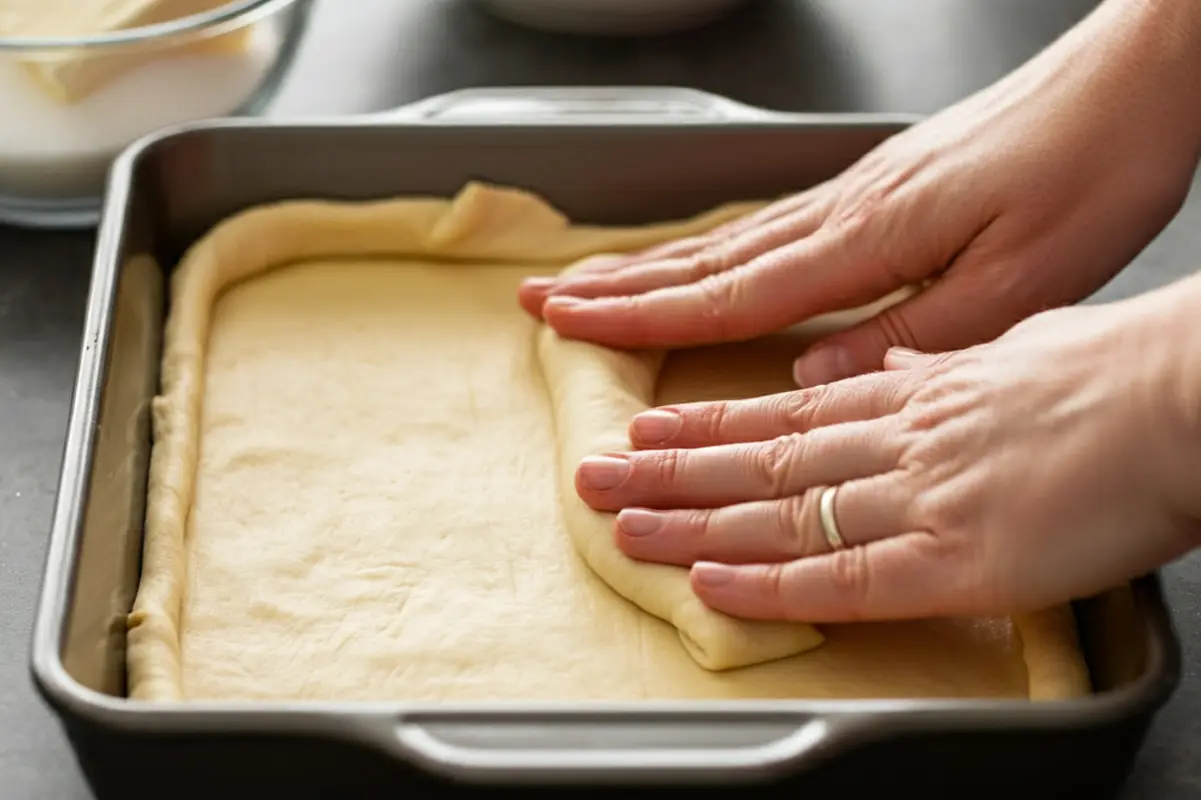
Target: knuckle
[
  {"x": 668, "y": 467},
  {"x": 719, "y": 294},
  {"x": 801, "y": 408},
  {"x": 638, "y": 315},
  {"x": 711, "y": 260},
  {"x": 851, "y": 218},
  {"x": 924, "y": 509},
  {"x": 896, "y": 394},
  {"x": 697, "y": 525},
  {"x": 793, "y": 526},
  {"x": 714, "y": 420},
  {"x": 854, "y": 215},
  {"x": 634, "y": 306},
  {"x": 698, "y": 521},
  {"x": 850, "y": 579},
  {"x": 937, "y": 510},
  {"x": 933, "y": 410},
  {"x": 775, "y": 462},
  {"x": 772, "y": 582},
  {"x": 938, "y": 398},
  {"x": 823, "y": 198}
]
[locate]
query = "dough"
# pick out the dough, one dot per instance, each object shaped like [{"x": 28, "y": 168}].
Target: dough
[{"x": 353, "y": 487}]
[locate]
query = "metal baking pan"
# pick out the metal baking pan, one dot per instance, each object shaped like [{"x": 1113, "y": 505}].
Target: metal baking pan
[{"x": 602, "y": 156}]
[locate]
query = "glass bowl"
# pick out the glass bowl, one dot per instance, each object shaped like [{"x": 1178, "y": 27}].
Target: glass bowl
[
  {"x": 69, "y": 105},
  {"x": 611, "y": 17}
]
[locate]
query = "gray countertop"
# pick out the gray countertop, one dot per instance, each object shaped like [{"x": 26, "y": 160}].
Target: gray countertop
[{"x": 824, "y": 55}]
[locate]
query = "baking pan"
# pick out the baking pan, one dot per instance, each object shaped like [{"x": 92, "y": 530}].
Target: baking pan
[{"x": 602, "y": 156}]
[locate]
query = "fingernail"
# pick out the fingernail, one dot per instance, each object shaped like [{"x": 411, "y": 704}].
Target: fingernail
[
  {"x": 639, "y": 521},
  {"x": 904, "y": 357},
  {"x": 656, "y": 425},
  {"x": 823, "y": 364},
  {"x": 539, "y": 283},
  {"x": 711, "y": 575},
  {"x": 603, "y": 473},
  {"x": 561, "y": 301}
]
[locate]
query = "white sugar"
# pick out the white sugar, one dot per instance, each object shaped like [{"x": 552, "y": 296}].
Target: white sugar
[{"x": 53, "y": 150}]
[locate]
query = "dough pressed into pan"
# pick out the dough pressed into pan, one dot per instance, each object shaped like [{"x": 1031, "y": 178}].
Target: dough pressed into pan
[{"x": 361, "y": 485}]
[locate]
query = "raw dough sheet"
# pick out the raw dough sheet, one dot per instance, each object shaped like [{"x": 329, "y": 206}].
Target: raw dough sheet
[{"x": 354, "y": 488}]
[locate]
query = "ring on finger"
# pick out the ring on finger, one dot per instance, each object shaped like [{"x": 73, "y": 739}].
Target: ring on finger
[{"x": 825, "y": 511}]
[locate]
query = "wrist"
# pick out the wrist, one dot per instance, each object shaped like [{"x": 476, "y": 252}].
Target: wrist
[
  {"x": 1170, "y": 327},
  {"x": 1152, "y": 48}
]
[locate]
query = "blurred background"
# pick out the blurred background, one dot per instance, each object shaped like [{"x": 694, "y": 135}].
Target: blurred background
[{"x": 817, "y": 55}]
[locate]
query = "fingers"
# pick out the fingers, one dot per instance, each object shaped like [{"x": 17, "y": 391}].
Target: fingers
[
  {"x": 708, "y": 477},
  {"x": 725, "y": 305},
  {"x": 766, "y": 531},
  {"x": 608, "y": 273},
  {"x": 705, "y": 424},
  {"x": 787, "y": 283},
  {"x": 641, "y": 280},
  {"x": 531, "y": 294},
  {"x": 691, "y": 265},
  {"x": 895, "y": 577},
  {"x": 887, "y": 571}
]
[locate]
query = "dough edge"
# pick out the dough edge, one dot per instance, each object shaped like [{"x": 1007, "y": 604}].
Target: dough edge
[{"x": 595, "y": 392}]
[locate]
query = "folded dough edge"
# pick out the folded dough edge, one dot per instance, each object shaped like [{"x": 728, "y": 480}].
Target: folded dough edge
[{"x": 595, "y": 392}]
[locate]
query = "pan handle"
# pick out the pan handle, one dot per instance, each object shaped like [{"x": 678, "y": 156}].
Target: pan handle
[
  {"x": 587, "y": 750},
  {"x": 578, "y": 104}
]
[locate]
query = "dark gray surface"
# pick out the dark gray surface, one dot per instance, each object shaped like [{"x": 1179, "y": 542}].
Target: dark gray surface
[{"x": 830, "y": 55}]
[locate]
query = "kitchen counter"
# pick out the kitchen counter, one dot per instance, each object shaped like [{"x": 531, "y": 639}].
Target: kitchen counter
[{"x": 816, "y": 55}]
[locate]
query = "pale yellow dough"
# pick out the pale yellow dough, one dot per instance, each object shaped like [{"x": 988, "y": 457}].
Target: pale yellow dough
[{"x": 360, "y": 485}]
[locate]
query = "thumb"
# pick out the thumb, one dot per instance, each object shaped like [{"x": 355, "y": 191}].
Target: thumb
[{"x": 952, "y": 313}]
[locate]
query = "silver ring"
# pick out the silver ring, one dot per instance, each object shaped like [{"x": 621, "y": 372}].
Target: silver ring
[{"x": 825, "y": 508}]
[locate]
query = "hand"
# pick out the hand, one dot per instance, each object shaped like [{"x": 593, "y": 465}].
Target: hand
[
  {"x": 1050, "y": 464},
  {"x": 1027, "y": 196}
]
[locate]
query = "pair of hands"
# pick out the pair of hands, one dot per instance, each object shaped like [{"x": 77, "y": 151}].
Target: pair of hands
[{"x": 986, "y": 478}]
